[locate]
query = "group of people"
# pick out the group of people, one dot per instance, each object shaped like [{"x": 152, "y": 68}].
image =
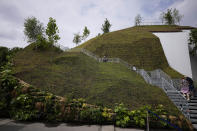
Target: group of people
[{"x": 187, "y": 87}]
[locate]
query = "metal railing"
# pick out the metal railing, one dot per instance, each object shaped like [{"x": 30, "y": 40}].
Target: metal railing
[
  {"x": 182, "y": 105},
  {"x": 162, "y": 119},
  {"x": 142, "y": 72},
  {"x": 145, "y": 75},
  {"x": 177, "y": 84},
  {"x": 156, "y": 77}
]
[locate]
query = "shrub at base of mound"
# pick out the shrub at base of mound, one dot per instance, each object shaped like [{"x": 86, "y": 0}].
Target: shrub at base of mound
[{"x": 21, "y": 101}]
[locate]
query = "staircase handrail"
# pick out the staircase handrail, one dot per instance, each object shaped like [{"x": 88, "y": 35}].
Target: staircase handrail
[
  {"x": 145, "y": 75},
  {"x": 183, "y": 102},
  {"x": 164, "y": 75},
  {"x": 162, "y": 119},
  {"x": 159, "y": 74}
]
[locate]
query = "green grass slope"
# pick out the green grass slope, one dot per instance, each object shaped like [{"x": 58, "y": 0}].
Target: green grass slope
[
  {"x": 75, "y": 75},
  {"x": 136, "y": 45}
]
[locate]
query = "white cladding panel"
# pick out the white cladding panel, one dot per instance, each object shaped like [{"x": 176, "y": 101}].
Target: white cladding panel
[{"x": 175, "y": 46}]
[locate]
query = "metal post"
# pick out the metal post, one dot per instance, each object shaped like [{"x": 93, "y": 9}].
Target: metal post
[{"x": 147, "y": 122}]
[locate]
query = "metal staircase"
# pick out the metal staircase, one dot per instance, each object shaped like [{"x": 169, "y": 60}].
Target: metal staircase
[{"x": 162, "y": 80}]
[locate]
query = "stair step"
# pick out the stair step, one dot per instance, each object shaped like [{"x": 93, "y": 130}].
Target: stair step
[
  {"x": 173, "y": 94},
  {"x": 177, "y": 97},
  {"x": 193, "y": 115},
  {"x": 195, "y": 126},
  {"x": 193, "y": 101},
  {"x": 193, "y": 107},
  {"x": 193, "y": 111},
  {"x": 193, "y": 121},
  {"x": 183, "y": 107},
  {"x": 179, "y": 106},
  {"x": 192, "y": 104},
  {"x": 177, "y": 100},
  {"x": 194, "y": 98}
]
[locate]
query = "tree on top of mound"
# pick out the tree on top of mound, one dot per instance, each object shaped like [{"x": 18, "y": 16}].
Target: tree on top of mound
[
  {"x": 106, "y": 26},
  {"x": 36, "y": 33},
  {"x": 52, "y": 31},
  {"x": 171, "y": 17},
  {"x": 33, "y": 28}
]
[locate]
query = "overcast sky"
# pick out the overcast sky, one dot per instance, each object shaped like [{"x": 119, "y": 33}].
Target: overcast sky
[{"x": 72, "y": 15}]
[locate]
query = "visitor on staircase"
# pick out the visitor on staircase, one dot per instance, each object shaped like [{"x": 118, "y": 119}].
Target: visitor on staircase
[
  {"x": 191, "y": 86},
  {"x": 185, "y": 88},
  {"x": 105, "y": 59}
]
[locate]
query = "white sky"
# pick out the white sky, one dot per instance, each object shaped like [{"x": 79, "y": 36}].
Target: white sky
[{"x": 72, "y": 15}]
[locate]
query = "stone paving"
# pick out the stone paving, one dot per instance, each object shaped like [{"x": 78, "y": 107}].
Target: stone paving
[{"x": 11, "y": 125}]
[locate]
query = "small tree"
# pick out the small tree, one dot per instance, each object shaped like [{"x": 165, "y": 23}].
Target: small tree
[
  {"x": 193, "y": 41},
  {"x": 138, "y": 20},
  {"x": 171, "y": 17},
  {"x": 52, "y": 31},
  {"x": 168, "y": 17},
  {"x": 86, "y": 33},
  {"x": 106, "y": 26},
  {"x": 33, "y": 28},
  {"x": 77, "y": 38},
  {"x": 177, "y": 16},
  {"x": 161, "y": 17}
]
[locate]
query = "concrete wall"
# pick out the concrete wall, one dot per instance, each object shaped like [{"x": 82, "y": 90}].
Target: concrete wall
[
  {"x": 193, "y": 60},
  {"x": 175, "y": 46}
]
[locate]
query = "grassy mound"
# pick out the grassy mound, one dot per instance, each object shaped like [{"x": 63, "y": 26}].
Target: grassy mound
[
  {"x": 136, "y": 45},
  {"x": 21, "y": 101},
  {"x": 75, "y": 75}
]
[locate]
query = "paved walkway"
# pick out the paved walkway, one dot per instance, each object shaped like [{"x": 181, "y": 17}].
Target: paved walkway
[{"x": 10, "y": 125}]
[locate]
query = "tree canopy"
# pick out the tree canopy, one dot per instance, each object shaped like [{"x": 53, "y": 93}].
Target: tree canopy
[
  {"x": 171, "y": 17},
  {"x": 86, "y": 33},
  {"x": 138, "y": 20},
  {"x": 33, "y": 28},
  {"x": 77, "y": 38},
  {"x": 106, "y": 26},
  {"x": 52, "y": 31}
]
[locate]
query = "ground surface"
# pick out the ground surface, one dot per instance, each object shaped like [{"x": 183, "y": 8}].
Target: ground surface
[{"x": 10, "y": 125}]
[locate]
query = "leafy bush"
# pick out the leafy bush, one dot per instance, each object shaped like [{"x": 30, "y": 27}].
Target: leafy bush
[
  {"x": 24, "y": 115},
  {"x": 77, "y": 102},
  {"x": 122, "y": 116},
  {"x": 160, "y": 111},
  {"x": 4, "y": 52},
  {"x": 41, "y": 43},
  {"x": 23, "y": 108},
  {"x": 51, "y": 108},
  {"x": 139, "y": 116},
  {"x": 107, "y": 114},
  {"x": 8, "y": 82},
  {"x": 91, "y": 115},
  {"x": 14, "y": 50}
]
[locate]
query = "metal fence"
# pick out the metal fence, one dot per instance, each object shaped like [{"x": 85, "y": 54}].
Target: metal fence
[{"x": 156, "y": 77}]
